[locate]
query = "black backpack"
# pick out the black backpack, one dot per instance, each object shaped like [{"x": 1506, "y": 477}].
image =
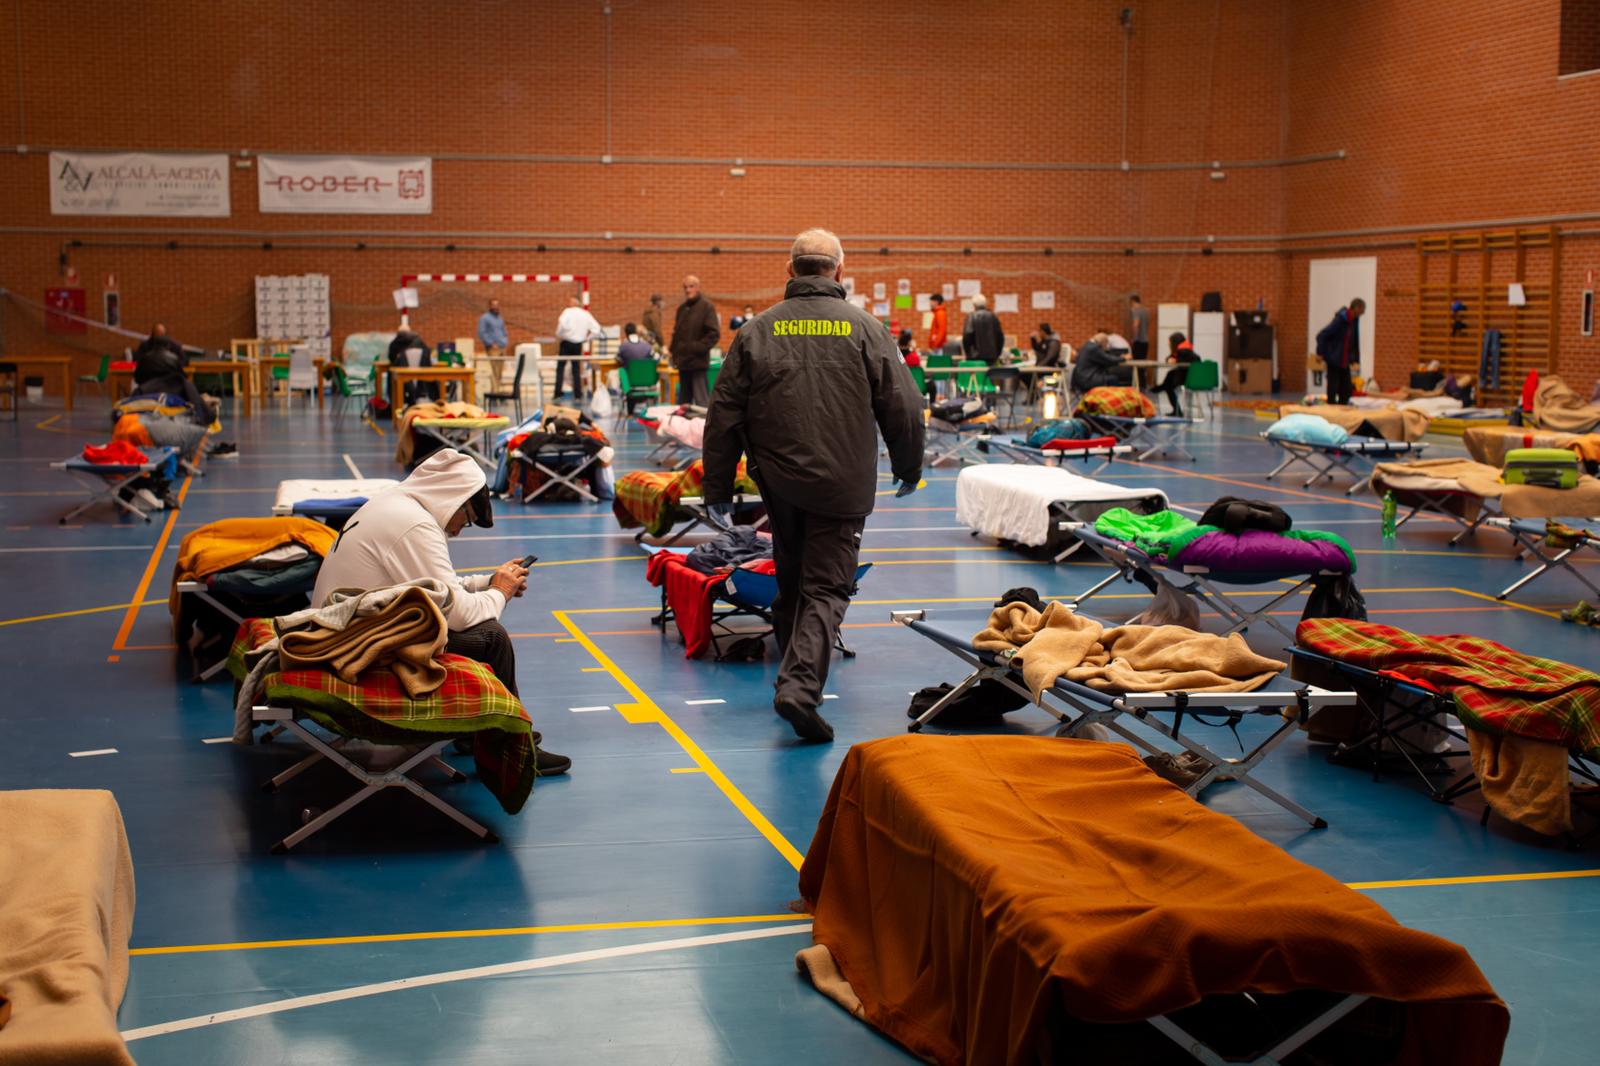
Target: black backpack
[{"x": 1233, "y": 514}]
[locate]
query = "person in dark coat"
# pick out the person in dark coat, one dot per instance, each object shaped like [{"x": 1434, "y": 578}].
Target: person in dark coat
[
  {"x": 981, "y": 336},
  {"x": 806, "y": 388},
  {"x": 1096, "y": 365},
  {"x": 159, "y": 368},
  {"x": 694, "y": 333},
  {"x": 1046, "y": 346},
  {"x": 1339, "y": 345}
]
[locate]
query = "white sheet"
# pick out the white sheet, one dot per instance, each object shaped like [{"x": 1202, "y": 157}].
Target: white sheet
[
  {"x": 1012, "y": 501},
  {"x": 292, "y": 492}
]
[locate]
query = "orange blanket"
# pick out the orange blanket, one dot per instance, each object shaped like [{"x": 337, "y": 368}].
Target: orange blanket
[
  {"x": 972, "y": 888},
  {"x": 224, "y": 544}
]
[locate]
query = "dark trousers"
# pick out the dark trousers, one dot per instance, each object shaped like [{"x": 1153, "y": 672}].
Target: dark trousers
[
  {"x": 816, "y": 561},
  {"x": 1339, "y": 385},
  {"x": 490, "y": 644},
  {"x": 1141, "y": 349},
  {"x": 1171, "y": 384},
  {"x": 692, "y": 387},
  {"x": 564, "y": 365}
]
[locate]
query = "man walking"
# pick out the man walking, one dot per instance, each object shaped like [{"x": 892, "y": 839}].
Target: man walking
[
  {"x": 807, "y": 386},
  {"x": 694, "y": 333},
  {"x": 1339, "y": 345},
  {"x": 982, "y": 338}
]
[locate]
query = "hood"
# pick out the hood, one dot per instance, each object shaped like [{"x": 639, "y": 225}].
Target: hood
[{"x": 443, "y": 482}]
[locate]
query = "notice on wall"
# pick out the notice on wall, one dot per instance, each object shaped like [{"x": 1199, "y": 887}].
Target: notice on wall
[
  {"x": 880, "y": 290},
  {"x": 902, "y": 301},
  {"x": 881, "y": 309},
  {"x": 1005, "y": 303},
  {"x": 167, "y": 185},
  {"x": 903, "y": 287},
  {"x": 1044, "y": 300},
  {"x": 948, "y": 291},
  {"x": 859, "y": 300},
  {"x": 968, "y": 286},
  {"x": 924, "y": 301},
  {"x": 344, "y": 185},
  {"x": 966, "y": 306}
]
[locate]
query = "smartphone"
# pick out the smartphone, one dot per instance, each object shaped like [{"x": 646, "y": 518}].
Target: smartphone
[{"x": 529, "y": 560}]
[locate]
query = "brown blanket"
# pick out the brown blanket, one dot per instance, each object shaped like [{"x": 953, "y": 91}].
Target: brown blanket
[
  {"x": 974, "y": 889},
  {"x": 1557, "y": 407},
  {"x": 66, "y": 911},
  {"x": 1480, "y": 479},
  {"x": 405, "y": 444},
  {"x": 407, "y": 636},
  {"x": 1524, "y": 780},
  {"x": 1059, "y": 642},
  {"x": 1390, "y": 422}
]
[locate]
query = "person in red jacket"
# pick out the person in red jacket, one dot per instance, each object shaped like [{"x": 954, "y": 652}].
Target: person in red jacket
[{"x": 939, "y": 331}]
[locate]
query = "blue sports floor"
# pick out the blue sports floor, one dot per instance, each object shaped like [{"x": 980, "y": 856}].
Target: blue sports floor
[{"x": 637, "y": 910}]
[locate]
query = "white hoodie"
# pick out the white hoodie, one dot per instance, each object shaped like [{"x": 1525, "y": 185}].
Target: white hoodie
[{"x": 398, "y": 535}]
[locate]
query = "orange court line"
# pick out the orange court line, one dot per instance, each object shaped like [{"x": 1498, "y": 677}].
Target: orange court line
[{"x": 149, "y": 572}]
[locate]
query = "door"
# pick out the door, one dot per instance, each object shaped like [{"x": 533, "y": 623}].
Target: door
[{"x": 1334, "y": 283}]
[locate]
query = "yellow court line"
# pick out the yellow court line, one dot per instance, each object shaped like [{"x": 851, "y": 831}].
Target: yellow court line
[
  {"x": 150, "y": 570},
  {"x": 454, "y": 934},
  {"x": 81, "y": 610},
  {"x": 1508, "y": 603},
  {"x": 686, "y": 770},
  {"x": 1482, "y": 879},
  {"x": 643, "y": 709}
]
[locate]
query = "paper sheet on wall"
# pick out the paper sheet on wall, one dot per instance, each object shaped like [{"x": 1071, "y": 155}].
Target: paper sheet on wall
[
  {"x": 948, "y": 291},
  {"x": 924, "y": 302},
  {"x": 968, "y": 286},
  {"x": 1044, "y": 300},
  {"x": 1005, "y": 303},
  {"x": 1517, "y": 296},
  {"x": 903, "y": 287},
  {"x": 927, "y": 320},
  {"x": 405, "y": 298},
  {"x": 902, "y": 301},
  {"x": 966, "y": 307},
  {"x": 849, "y": 286},
  {"x": 880, "y": 290},
  {"x": 881, "y": 308},
  {"x": 859, "y": 300}
]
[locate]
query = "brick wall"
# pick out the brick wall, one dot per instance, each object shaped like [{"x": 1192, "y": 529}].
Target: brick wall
[{"x": 1450, "y": 112}]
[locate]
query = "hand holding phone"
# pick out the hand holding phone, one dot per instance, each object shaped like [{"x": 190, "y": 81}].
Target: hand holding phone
[{"x": 528, "y": 560}]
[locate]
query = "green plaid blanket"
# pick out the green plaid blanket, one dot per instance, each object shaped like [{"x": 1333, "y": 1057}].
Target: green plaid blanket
[
  {"x": 1496, "y": 690},
  {"x": 649, "y": 498},
  {"x": 471, "y": 702},
  {"x": 1119, "y": 401}
]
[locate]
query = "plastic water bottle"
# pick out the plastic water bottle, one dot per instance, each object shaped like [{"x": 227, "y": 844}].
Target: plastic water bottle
[{"x": 1389, "y": 509}]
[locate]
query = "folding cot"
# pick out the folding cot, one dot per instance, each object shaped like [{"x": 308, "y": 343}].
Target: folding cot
[
  {"x": 1324, "y": 459},
  {"x": 1105, "y": 449},
  {"x": 696, "y": 514},
  {"x": 1027, "y": 504},
  {"x": 957, "y": 442},
  {"x": 562, "y": 464},
  {"x": 679, "y": 429},
  {"x": 331, "y": 501},
  {"x": 1419, "y": 491},
  {"x": 1155, "y": 434},
  {"x": 992, "y": 899},
  {"x": 1472, "y": 493},
  {"x": 105, "y": 481},
  {"x": 746, "y": 593},
  {"x": 667, "y": 503},
  {"x": 1531, "y": 536},
  {"x": 1202, "y": 580},
  {"x": 471, "y": 436},
  {"x": 1283, "y": 704}
]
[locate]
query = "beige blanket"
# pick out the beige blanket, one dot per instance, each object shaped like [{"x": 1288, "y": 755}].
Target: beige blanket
[
  {"x": 1557, "y": 407},
  {"x": 66, "y": 911},
  {"x": 1058, "y": 642},
  {"x": 1524, "y": 780},
  {"x": 1514, "y": 501},
  {"x": 1391, "y": 423},
  {"x": 408, "y": 636},
  {"x": 405, "y": 445}
]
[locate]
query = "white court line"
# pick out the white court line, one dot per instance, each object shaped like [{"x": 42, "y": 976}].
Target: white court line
[
  {"x": 350, "y": 464},
  {"x": 217, "y": 740},
  {"x": 426, "y": 980},
  {"x": 583, "y": 710},
  {"x": 96, "y": 751},
  {"x": 829, "y": 696},
  {"x": 701, "y": 703}
]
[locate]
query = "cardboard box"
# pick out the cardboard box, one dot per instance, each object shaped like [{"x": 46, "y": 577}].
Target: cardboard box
[{"x": 1250, "y": 375}]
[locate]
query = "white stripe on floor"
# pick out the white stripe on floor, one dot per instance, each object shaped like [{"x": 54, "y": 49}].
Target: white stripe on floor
[
  {"x": 216, "y": 740},
  {"x": 582, "y": 710},
  {"x": 450, "y": 976},
  {"x": 96, "y": 751},
  {"x": 350, "y": 464},
  {"x": 702, "y": 703}
]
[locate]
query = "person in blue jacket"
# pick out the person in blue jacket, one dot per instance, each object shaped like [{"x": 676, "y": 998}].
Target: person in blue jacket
[{"x": 1339, "y": 345}]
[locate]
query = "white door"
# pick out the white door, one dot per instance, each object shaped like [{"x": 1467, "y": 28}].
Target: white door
[{"x": 1334, "y": 283}]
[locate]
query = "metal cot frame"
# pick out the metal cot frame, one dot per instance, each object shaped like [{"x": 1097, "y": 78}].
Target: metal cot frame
[
  {"x": 1017, "y": 452},
  {"x": 105, "y": 481},
  {"x": 576, "y": 463},
  {"x": 959, "y": 442},
  {"x": 1081, "y": 706},
  {"x": 1325, "y": 459},
  {"x": 461, "y": 438},
  {"x": 1529, "y": 533},
  {"x": 1157, "y": 435}
]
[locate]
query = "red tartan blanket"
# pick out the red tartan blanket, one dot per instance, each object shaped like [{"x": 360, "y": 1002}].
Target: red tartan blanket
[
  {"x": 649, "y": 498},
  {"x": 471, "y": 702},
  {"x": 1496, "y": 690},
  {"x": 1119, "y": 401}
]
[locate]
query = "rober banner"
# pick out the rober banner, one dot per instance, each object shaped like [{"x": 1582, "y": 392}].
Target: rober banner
[{"x": 345, "y": 185}]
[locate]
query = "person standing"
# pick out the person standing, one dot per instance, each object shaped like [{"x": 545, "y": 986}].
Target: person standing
[
  {"x": 807, "y": 387},
  {"x": 1339, "y": 345},
  {"x": 695, "y": 331},
  {"x": 939, "y": 329},
  {"x": 1139, "y": 327},
  {"x": 573, "y": 330},
  {"x": 654, "y": 331},
  {"x": 981, "y": 337},
  {"x": 492, "y": 331}
]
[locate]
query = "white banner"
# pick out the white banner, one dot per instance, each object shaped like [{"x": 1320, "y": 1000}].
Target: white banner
[
  {"x": 139, "y": 183},
  {"x": 345, "y": 185}
]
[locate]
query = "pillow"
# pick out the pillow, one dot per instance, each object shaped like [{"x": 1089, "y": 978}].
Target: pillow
[{"x": 1307, "y": 429}]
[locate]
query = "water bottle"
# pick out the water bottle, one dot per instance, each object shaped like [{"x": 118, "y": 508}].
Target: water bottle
[{"x": 1389, "y": 509}]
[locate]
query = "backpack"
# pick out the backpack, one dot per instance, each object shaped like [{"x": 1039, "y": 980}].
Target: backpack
[
  {"x": 1334, "y": 596},
  {"x": 1232, "y": 514}
]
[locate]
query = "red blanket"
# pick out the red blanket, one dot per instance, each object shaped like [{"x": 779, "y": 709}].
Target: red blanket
[
  {"x": 690, "y": 595},
  {"x": 117, "y": 453}
]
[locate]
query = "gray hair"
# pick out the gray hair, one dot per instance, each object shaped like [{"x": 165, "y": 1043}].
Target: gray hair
[
  {"x": 816, "y": 251},
  {"x": 980, "y": 300}
]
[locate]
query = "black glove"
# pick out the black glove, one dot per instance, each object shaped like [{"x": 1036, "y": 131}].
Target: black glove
[
  {"x": 909, "y": 485},
  {"x": 720, "y": 514}
]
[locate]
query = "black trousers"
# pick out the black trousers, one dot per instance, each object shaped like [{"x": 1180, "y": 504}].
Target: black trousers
[
  {"x": 564, "y": 365},
  {"x": 1339, "y": 385},
  {"x": 692, "y": 387},
  {"x": 816, "y": 561},
  {"x": 1171, "y": 384},
  {"x": 490, "y": 644},
  {"x": 1141, "y": 349}
]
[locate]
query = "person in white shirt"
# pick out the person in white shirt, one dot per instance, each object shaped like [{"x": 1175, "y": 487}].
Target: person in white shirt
[
  {"x": 573, "y": 330},
  {"x": 402, "y": 534}
]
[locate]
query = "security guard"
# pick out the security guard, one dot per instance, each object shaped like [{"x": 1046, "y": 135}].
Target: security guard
[{"x": 801, "y": 388}]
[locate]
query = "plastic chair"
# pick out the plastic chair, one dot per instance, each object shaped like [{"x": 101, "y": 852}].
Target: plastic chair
[
  {"x": 939, "y": 361},
  {"x": 977, "y": 382},
  {"x": 514, "y": 396},
  {"x": 347, "y": 392},
  {"x": 640, "y": 380},
  {"x": 1005, "y": 382},
  {"x": 1202, "y": 381},
  {"x": 98, "y": 379},
  {"x": 920, "y": 376}
]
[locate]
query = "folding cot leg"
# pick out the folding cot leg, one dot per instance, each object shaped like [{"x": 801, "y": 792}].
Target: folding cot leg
[
  {"x": 1548, "y": 562},
  {"x": 478, "y": 829},
  {"x": 1202, "y": 1052},
  {"x": 932, "y": 712},
  {"x": 1289, "y": 459},
  {"x": 1471, "y": 527},
  {"x": 449, "y": 771}
]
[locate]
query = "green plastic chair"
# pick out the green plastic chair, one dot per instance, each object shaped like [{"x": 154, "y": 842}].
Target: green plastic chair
[
  {"x": 920, "y": 376},
  {"x": 977, "y": 382},
  {"x": 98, "y": 378},
  {"x": 641, "y": 382},
  {"x": 1202, "y": 382}
]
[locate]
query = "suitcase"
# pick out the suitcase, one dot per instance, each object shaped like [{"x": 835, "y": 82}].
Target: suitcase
[{"x": 1551, "y": 468}]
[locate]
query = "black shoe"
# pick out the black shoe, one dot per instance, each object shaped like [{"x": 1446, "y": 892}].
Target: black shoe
[
  {"x": 549, "y": 764},
  {"x": 225, "y": 450},
  {"x": 807, "y": 723}
]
